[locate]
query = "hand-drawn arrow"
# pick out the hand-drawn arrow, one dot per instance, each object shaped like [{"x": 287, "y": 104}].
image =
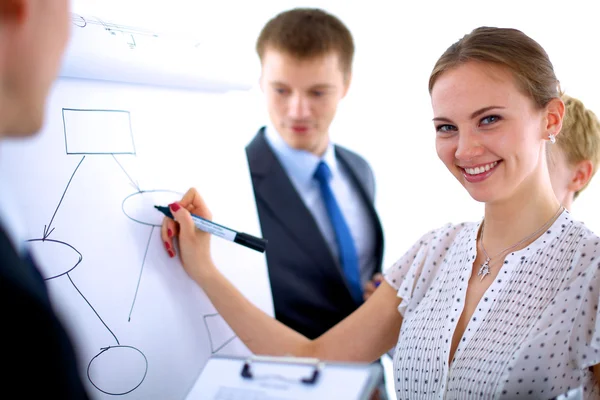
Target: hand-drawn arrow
[
  {"x": 47, "y": 230},
  {"x": 135, "y": 184}
]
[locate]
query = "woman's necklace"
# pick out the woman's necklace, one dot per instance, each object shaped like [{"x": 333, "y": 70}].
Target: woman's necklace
[{"x": 484, "y": 270}]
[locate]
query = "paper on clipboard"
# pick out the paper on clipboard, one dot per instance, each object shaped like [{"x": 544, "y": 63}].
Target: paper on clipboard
[{"x": 281, "y": 378}]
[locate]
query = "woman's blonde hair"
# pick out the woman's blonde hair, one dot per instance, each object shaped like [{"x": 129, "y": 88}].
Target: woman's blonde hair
[{"x": 579, "y": 138}]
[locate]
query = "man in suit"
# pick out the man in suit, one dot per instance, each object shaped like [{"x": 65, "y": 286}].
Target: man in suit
[
  {"x": 314, "y": 198},
  {"x": 37, "y": 355},
  {"x": 575, "y": 158}
]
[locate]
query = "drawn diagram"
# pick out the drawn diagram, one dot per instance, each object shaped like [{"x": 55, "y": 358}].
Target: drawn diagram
[
  {"x": 128, "y": 33},
  {"x": 214, "y": 323},
  {"x": 114, "y": 52},
  {"x": 94, "y": 132}
]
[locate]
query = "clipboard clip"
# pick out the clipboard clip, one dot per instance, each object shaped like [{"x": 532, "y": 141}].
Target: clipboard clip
[{"x": 310, "y": 380}]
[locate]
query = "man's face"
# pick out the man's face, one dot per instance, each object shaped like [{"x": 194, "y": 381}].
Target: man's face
[
  {"x": 302, "y": 97},
  {"x": 34, "y": 53}
]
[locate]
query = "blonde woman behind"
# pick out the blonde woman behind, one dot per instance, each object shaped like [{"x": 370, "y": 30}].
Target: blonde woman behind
[{"x": 574, "y": 161}]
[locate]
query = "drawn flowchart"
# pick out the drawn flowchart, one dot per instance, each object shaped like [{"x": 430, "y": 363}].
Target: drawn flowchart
[
  {"x": 128, "y": 33},
  {"x": 108, "y": 133},
  {"x": 124, "y": 53}
]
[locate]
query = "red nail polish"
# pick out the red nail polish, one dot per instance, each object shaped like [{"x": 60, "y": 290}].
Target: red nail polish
[
  {"x": 174, "y": 207},
  {"x": 171, "y": 254},
  {"x": 169, "y": 233},
  {"x": 167, "y": 246}
]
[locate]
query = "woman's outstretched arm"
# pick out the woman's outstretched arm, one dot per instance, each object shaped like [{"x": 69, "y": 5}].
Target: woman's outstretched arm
[{"x": 363, "y": 336}]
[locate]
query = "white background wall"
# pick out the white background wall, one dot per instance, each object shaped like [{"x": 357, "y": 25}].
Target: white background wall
[{"x": 387, "y": 114}]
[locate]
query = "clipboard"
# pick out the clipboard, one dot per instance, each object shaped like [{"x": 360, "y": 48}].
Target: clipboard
[{"x": 284, "y": 378}]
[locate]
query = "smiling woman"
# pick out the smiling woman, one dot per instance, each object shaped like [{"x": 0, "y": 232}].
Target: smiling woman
[
  {"x": 491, "y": 130},
  {"x": 521, "y": 323}
]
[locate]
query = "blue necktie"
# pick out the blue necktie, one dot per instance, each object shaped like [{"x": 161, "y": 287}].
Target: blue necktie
[{"x": 345, "y": 243}]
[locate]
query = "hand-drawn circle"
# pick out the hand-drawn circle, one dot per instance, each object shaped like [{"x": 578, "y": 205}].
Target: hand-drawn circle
[
  {"x": 127, "y": 380},
  {"x": 47, "y": 249},
  {"x": 79, "y": 21},
  {"x": 139, "y": 206}
]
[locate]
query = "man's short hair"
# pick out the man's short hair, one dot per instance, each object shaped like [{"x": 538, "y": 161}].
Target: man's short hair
[
  {"x": 306, "y": 33},
  {"x": 579, "y": 138}
]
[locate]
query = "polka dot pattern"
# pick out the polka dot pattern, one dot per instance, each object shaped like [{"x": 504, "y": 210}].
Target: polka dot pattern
[{"x": 534, "y": 334}]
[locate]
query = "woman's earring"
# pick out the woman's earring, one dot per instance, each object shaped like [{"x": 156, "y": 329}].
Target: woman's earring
[{"x": 552, "y": 138}]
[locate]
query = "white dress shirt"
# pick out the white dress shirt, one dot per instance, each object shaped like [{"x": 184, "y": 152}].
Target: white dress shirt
[{"x": 300, "y": 165}]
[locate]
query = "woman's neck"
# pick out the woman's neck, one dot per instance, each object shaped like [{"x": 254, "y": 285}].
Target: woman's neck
[{"x": 509, "y": 221}]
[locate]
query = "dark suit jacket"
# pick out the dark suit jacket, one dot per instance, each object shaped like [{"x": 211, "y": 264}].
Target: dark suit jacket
[
  {"x": 37, "y": 356},
  {"x": 310, "y": 292}
]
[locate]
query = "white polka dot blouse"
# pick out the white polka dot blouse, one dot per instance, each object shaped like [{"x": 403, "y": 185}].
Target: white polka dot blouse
[{"x": 534, "y": 334}]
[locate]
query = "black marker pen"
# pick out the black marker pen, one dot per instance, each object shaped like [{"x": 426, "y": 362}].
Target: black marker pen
[{"x": 205, "y": 225}]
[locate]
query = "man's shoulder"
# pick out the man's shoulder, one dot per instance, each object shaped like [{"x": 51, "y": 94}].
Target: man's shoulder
[
  {"x": 257, "y": 144},
  {"x": 351, "y": 156},
  {"x": 259, "y": 154},
  {"x": 10, "y": 264}
]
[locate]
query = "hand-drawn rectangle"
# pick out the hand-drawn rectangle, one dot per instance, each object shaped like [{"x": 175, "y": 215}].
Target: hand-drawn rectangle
[{"x": 97, "y": 131}]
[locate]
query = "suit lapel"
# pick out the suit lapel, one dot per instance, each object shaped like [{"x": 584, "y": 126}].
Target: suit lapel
[{"x": 274, "y": 189}]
